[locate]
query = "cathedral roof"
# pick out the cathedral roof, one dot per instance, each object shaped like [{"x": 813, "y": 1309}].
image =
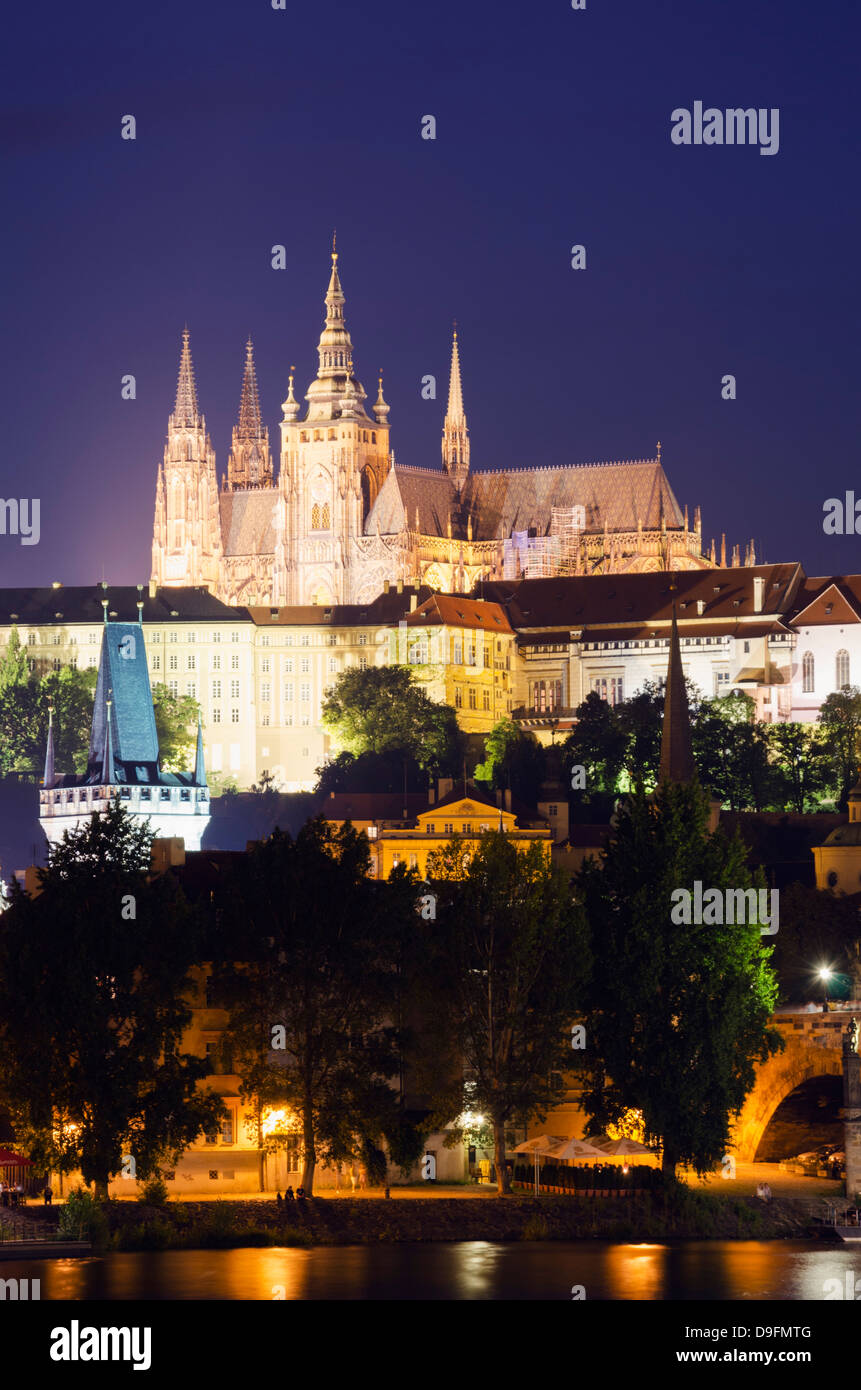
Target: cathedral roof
[
  {"x": 248, "y": 521},
  {"x": 613, "y": 495}
]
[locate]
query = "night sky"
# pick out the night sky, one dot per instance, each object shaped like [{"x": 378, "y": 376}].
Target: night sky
[{"x": 257, "y": 126}]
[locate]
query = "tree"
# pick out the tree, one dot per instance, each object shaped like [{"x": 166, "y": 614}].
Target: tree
[
  {"x": 14, "y": 667},
  {"x": 309, "y": 1004},
  {"x": 512, "y": 951},
  {"x": 176, "y": 719},
  {"x": 514, "y": 760},
  {"x": 382, "y": 708},
  {"x": 731, "y": 752},
  {"x": 92, "y": 975},
  {"x": 641, "y": 721},
  {"x": 677, "y": 1015},
  {"x": 598, "y": 744},
  {"x": 840, "y": 718},
  {"x": 802, "y": 762},
  {"x": 24, "y": 717}
]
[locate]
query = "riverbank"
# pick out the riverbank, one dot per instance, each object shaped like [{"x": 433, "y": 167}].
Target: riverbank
[{"x": 681, "y": 1214}]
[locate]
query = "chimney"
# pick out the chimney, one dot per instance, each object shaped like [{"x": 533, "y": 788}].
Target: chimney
[
  {"x": 758, "y": 592},
  {"x": 414, "y": 598},
  {"x": 400, "y": 586},
  {"x": 152, "y": 588},
  {"x": 431, "y": 794},
  {"x": 385, "y": 586},
  {"x": 499, "y": 797},
  {"x": 507, "y": 795},
  {"x": 444, "y": 786}
]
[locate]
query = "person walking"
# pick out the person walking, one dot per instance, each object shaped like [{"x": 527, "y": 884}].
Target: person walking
[{"x": 47, "y": 1194}]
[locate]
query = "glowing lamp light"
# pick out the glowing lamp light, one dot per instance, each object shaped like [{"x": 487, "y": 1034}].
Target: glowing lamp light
[{"x": 277, "y": 1122}]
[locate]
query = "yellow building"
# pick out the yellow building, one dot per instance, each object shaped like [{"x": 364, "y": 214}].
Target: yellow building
[
  {"x": 410, "y": 838},
  {"x": 460, "y": 651}
]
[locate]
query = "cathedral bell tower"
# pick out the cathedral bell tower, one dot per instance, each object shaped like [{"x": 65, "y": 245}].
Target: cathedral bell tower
[
  {"x": 186, "y": 543},
  {"x": 333, "y": 463}
]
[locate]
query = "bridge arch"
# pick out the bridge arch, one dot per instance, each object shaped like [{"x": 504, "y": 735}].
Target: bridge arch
[{"x": 814, "y": 1047}]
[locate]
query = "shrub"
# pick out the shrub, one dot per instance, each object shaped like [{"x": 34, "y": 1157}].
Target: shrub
[
  {"x": 154, "y": 1192},
  {"x": 82, "y": 1218}
]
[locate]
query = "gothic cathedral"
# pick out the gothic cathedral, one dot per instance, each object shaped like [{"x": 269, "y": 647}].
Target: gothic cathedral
[{"x": 342, "y": 517}]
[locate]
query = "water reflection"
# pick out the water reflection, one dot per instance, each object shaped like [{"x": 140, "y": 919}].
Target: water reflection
[{"x": 468, "y": 1270}]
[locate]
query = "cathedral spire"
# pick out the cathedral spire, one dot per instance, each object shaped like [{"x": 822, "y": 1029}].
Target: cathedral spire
[
  {"x": 455, "y": 435},
  {"x": 335, "y": 383},
  {"x": 250, "y": 423},
  {"x": 677, "y": 758},
  {"x": 185, "y": 411},
  {"x": 249, "y": 464}
]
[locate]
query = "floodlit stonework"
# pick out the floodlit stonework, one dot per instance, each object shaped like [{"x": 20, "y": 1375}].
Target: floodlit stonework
[{"x": 342, "y": 517}]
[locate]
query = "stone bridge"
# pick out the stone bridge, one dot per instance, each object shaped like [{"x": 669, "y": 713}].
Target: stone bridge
[{"x": 814, "y": 1047}]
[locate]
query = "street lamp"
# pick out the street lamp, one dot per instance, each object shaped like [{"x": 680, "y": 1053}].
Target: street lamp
[{"x": 825, "y": 973}]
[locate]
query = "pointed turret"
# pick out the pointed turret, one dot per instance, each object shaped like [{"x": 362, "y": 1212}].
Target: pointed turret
[
  {"x": 677, "y": 758},
  {"x": 381, "y": 409},
  {"x": 185, "y": 412},
  {"x": 455, "y": 435},
  {"x": 108, "y": 777},
  {"x": 335, "y": 382},
  {"x": 249, "y": 464},
  {"x": 48, "y": 779},
  {"x": 199, "y": 767},
  {"x": 291, "y": 406}
]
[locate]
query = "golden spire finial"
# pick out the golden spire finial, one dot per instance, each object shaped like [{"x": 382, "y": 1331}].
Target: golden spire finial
[
  {"x": 659, "y": 451},
  {"x": 334, "y": 245}
]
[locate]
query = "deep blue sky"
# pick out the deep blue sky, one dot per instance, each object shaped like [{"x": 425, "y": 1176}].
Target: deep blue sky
[{"x": 257, "y": 126}]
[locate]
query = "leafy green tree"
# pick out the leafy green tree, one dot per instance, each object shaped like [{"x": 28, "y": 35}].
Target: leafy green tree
[
  {"x": 840, "y": 718},
  {"x": 803, "y": 764},
  {"x": 176, "y": 724},
  {"x": 93, "y": 970},
  {"x": 309, "y": 1004},
  {"x": 514, "y": 761},
  {"x": 511, "y": 946},
  {"x": 598, "y": 744},
  {"x": 641, "y": 721},
  {"x": 731, "y": 753},
  {"x": 677, "y": 1015},
  {"x": 14, "y": 666},
  {"x": 382, "y": 708},
  {"x": 24, "y": 716}
]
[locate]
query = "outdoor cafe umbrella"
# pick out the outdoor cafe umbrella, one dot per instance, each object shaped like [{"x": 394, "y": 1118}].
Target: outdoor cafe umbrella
[
  {"x": 624, "y": 1147},
  {"x": 8, "y": 1159},
  {"x": 577, "y": 1148},
  {"x": 544, "y": 1144}
]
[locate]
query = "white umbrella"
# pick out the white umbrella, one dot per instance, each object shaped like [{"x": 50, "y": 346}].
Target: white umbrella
[
  {"x": 577, "y": 1148},
  {"x": 544, "y": 1144},
  {"x": 623, "y": 1146}
]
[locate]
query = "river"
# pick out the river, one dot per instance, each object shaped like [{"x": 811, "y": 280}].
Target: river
[{"x": 462, "y": 1270}]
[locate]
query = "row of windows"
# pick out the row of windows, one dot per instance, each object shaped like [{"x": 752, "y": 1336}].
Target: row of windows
[
  {"x": 472, "y": 700},
  {"x": 318, "y": 435}
]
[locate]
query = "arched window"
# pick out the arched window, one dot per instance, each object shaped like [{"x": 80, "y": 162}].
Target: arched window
[
  {"x": 842, "y": 664},
  {"x": 315, "y": 517},
  {"x": 325, "y": 522},
  {"x": 807, "y": 673}
]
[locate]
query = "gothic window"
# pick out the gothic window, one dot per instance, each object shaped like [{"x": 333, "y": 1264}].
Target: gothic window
[
  {"x": 315, "y": 517},
  {"x": 842, "y": 668},
  {"x": 807, "y": 675},
  {"x": 373, "y": 436},
  {"x": 326, "y": 522},
  {"x": 332, "y": 434}
]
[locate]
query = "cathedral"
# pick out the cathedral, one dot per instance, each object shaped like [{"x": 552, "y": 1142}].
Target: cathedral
[{"x": 341, "y": 517}]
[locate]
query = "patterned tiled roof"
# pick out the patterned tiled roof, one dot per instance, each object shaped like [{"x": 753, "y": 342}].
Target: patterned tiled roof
[
  {"x": 248, "y": 521},
  {"x": 615, "y": 495},
  {"x": 124, "y": 680}
]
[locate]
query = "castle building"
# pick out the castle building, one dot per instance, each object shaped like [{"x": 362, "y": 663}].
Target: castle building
[{"x": 342, "y": 517}]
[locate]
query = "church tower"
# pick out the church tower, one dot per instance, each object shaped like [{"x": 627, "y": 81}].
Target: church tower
[
  {"x": 249, "y": 464},
  {"x": 455, "y": 435},
  {"x": 333, "y": 463},
  {"x": 186, "y": 543}
]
